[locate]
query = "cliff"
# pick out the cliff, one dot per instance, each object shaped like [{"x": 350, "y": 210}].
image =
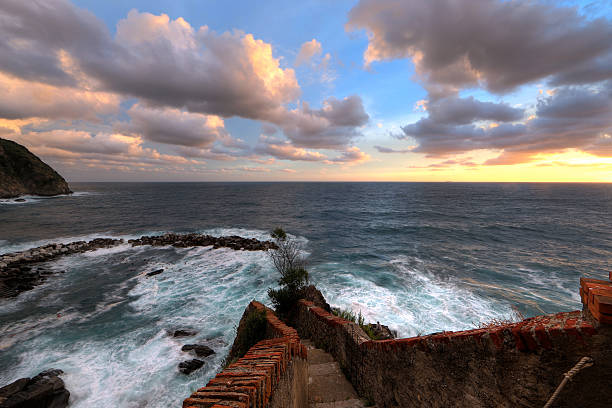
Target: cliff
[
  {"x": 21, "y": 172},
  {"x": 508, "y": 365}
]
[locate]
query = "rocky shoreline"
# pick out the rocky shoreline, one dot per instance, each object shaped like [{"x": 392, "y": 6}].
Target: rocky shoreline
[
  {"x": 20, "y": 271},
  {"x": 46, "y": 390},
  {"x": 22, "y": 172},
  {"x": 193, "y": 240}
]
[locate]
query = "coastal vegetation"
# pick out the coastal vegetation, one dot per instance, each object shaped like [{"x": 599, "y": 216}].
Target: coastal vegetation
[
  {"x": 291, "y": 265},
  {"x": 368, "y": 328}
]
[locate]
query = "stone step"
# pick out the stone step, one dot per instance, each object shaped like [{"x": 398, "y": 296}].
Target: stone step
[
  {"x": 327, "y": 385},
  {"x": 352, "y": 403}
]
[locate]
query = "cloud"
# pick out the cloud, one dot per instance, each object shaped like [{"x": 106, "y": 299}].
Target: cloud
[
  {"x": 286, "y": 151},
  {"x": 268, "y": 129},
  {"x": 162, "y": 61},
  {"x": 351, "y": 156},
  {"x": 173, "y": 126},
  {"x": 334, "y": 126},
  {"x": 448, "y": 163},
  {"x": 572, "y": 118},
  {"x": 20, "y": 99},
  {"x": 185, "y": 79},
  {"x": 106, "y": 151},
  {"x": 382, "y": 149},
  {"x": 82, "y": 142},
  {"x": 308, "y": 50},
  {"x": 460, "y": 111},
  {"x": 460, "y": 44}
]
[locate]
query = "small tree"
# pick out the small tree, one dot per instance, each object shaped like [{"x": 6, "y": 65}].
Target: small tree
[{"x": 292, "y": 267}]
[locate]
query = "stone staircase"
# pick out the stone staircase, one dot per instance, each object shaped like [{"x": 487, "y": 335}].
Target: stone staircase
[{"x": 327, "y": 385}]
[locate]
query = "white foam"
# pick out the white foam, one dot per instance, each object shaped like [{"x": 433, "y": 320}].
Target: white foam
[
  {"x": 7, "y": 247},
  {"x": 27, "y": 199},
  {"x": 30, "y": 199},
  {"x": 418, "y": 303},
  {"x": 204, "y": 289}
]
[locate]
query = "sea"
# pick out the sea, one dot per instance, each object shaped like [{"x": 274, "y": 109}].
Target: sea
[{"x": 418, "y": 257}]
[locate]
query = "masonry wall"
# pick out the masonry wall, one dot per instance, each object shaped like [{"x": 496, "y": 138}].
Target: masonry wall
[
  {"x": 512, "y": 365},
  {"x": 273, "y": 373}
]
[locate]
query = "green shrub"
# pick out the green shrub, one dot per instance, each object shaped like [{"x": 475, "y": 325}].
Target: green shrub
[
  {"x": 291, "y": 265},
  {"x": 359, "y": 319},
  {"x": 344, "y": 314},
  {"x": 367, "y": 328}
]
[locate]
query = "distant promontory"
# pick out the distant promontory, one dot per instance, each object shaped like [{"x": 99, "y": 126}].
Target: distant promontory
[{"x": 21, "y": 172}]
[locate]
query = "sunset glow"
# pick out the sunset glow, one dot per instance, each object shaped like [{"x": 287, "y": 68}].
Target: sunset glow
[{"x": 372, "y": 91}]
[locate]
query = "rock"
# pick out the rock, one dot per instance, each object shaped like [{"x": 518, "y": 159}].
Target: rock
[
  {"x": 184, "y": 333},
  {"x": 157, "y": 272},
  {"x": 21, "y": 172},
  {"x": 191, "y": 240},
  {"x": 313, "y": 294},
  {"x": 382, "y": 332},
  {"x": 20, "y": 200},
  {"x": 199, "y": 349},
  {"x": 46, "y": 390},
  {"x": 189, "y": 366},
  {"x": 16, "y": 276}
]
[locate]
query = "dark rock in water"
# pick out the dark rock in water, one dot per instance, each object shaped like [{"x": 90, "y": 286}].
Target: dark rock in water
[
  {"x": 21, "y": 172},
  {"x": 199, "y": 349},
  {"x": 157, "y": 272},
  {"x": 19, "y": 200},
  {"x": 17, "y": 274},
  {"x": 184, "y": 333},
  {"x": 189, "y": 366},
  {"x": 46, "y": 390}
]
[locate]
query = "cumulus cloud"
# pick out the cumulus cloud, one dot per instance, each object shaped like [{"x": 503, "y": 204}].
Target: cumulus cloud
[
  {"x": 80, "y": 141},
  {"x": 284, "y": 150},
  {"x": 100, "y": 150},
  {"x": 352, "y": 155},
  {"x": 572, "y": 118},
  {"x": 308, "y": 50},
  {"x": 21, "y": 99},
  {"x": 459, "y": 111},
  {"x": 382, "y": 149},
  {"x": 174, "y": 126},
  {"x": 162, "y": 61},
  {"x": 457, "y": 44},
  {"x": 61, "y": 62},
  {"x": 334, "y": 126}
]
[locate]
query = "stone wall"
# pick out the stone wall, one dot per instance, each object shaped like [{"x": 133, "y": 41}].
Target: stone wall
[
  {"x": 273, "y": 373},
  {"x": 511, "y": 365}
]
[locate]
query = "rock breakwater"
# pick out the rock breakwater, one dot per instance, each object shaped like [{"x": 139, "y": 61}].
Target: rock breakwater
[
  {"x": 192, "y": 240},
  {"x": 21, "y": 271}
]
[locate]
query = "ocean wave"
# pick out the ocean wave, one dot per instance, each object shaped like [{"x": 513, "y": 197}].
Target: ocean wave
[
  {"x": 116, "y": 351},
  {"x": 409, "y": 299},
  {"x": 30, "y": 199}
]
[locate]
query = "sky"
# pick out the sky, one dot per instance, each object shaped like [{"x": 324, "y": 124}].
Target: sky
[{"x": 316, "y": 90}]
